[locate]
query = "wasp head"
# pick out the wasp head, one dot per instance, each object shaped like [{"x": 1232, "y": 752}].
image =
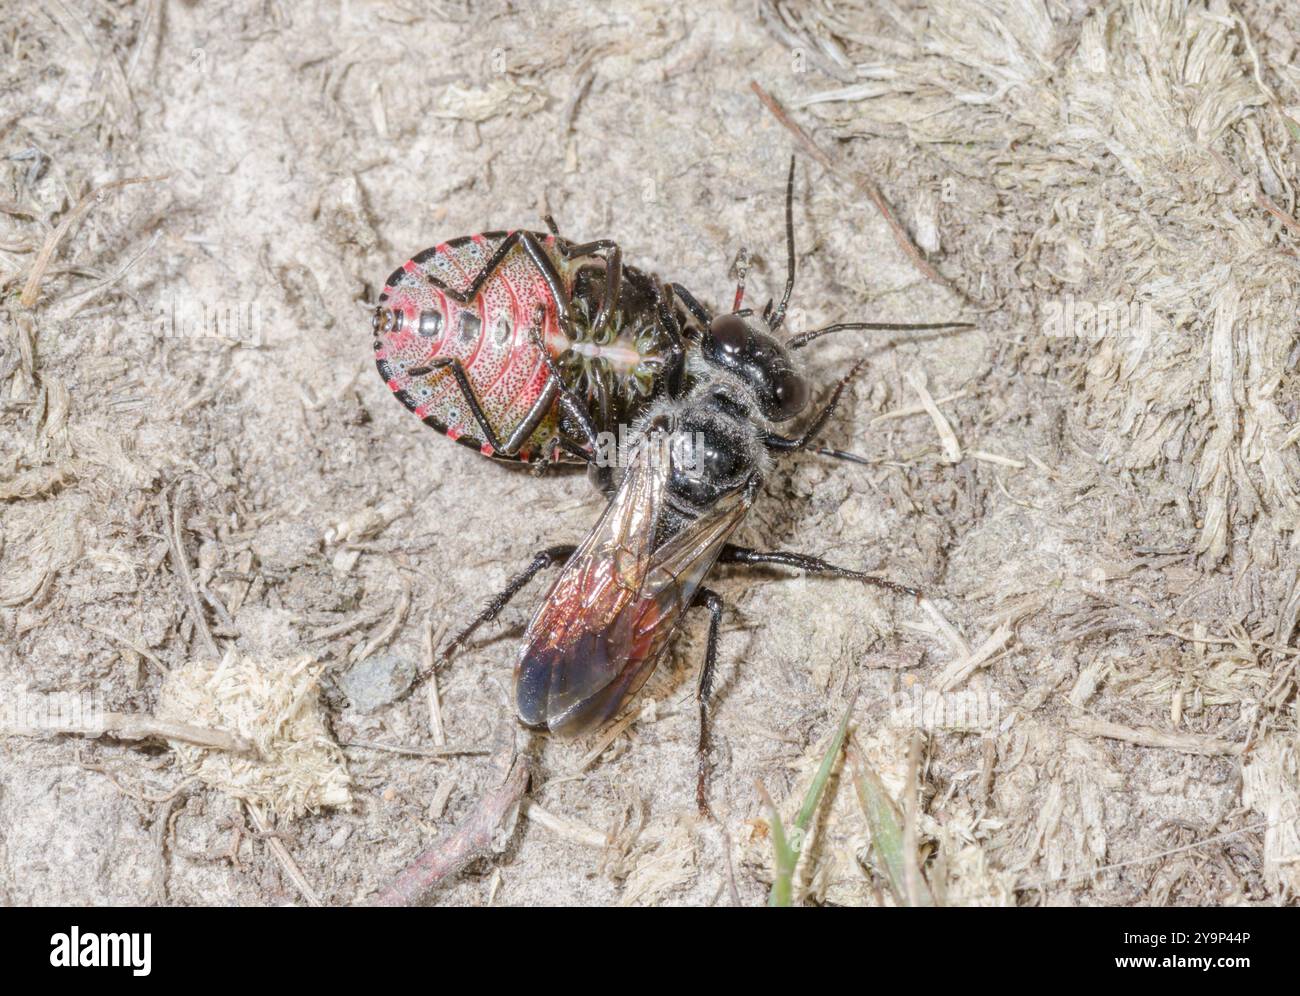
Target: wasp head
[{"x": 742, "y": 347}]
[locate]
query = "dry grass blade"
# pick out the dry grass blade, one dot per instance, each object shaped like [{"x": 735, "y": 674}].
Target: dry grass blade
[
  {"x": 862, "y": 184},
  {"x": 32, "y": 288}
]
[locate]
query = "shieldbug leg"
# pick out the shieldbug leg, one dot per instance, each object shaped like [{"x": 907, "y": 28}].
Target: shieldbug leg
[
  {"x": 697, "y": 311},
  {"x": 711, "y": 601},
  {"x": 569, "y": 401},
  {"x": 553, "y": 282},
  {"x": 546, "y": 558},
  {"x": 732, "y": 554},
  {"x": 613, "y": 256}
]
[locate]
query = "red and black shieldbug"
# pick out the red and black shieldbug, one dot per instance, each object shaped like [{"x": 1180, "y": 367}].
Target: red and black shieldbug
[
  {"x": 521, "y": 345},
  {"x": 500, "y": 340}
]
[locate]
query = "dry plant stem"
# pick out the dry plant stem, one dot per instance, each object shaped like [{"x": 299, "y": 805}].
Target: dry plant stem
[
  {"x": 962, "y": 668},
  {"x": 911, "y": 873},
  {"x": 180, "y": 561},
  {"x": 561, "y": 827},
  {"x": 441, "y": 750},
  {"x": 132, "y": 726},
  {"x": 1188, "y": 743},
  {"x": 283, "y": 856},
  {"x": 1158, "y": 855},
  {"x": 131, "y": 645},
  {"x": 400, "y": 609},
  {"x": 472, "y": 839},
  {"x": 33, "y": 286},
  {"x": 430, "y": 641},
  {"x": 861, "y": 184}
]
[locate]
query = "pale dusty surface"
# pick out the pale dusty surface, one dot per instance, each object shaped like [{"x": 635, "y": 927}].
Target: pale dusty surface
[{"x": 306, "y": 150}]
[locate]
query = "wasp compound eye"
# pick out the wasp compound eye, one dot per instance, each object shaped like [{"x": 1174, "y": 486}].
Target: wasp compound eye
[
  {"x": 791, "y": 393},
  {"x": 730, "y": 334}
]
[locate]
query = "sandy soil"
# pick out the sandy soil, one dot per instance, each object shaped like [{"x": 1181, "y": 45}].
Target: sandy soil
[{"x": 298, "y": 152}]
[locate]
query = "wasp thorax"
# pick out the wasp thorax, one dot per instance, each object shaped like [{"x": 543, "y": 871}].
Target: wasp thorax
[
  {"x": 713, "y": 448},
  {"x": 741, "y": 347}
]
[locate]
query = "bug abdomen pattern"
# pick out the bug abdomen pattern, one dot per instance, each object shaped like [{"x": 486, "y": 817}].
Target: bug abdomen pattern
[{"x": 418, "y": 323}]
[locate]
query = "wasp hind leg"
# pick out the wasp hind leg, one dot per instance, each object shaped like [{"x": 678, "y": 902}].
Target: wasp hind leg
[
  {"x": 709, "y": 599},
  {"x": 546, "y": 558}
]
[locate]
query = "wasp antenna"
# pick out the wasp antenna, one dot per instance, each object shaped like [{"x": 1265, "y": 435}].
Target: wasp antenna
[
  {"x": 741, "y": 267},
  {"x": 828, "y": 451},
  {"x": 778, "y": 316},
  {"x": 801, "y": 340}
]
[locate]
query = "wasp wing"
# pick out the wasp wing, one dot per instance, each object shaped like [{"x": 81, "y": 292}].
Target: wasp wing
[{"x": 607, "y": 620}]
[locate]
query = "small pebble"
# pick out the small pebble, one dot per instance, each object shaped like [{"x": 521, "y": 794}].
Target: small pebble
[{"x": 377, "y": 681}]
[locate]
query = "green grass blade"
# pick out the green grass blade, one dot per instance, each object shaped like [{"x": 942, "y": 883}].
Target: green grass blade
[
  {"x": 783, "y": 855},
  {"x": 786, "y": 854},
  {"x": 887, "y": 836}
]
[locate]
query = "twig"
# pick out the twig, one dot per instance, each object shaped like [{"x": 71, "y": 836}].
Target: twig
[
  {"x": 862, "y": 184},
  {"x": 946, "y": 629},
  {"x": 1066, "y": 879},
  {"x": 561, "y": 827},
  {"x": 959, "y": 670},
  {"x": 907, "y": 411},
  {"x": 1001, "y": 461},
  {"x": 33, "y": 285},
  {"x": 83, "y": 297},
  {"x": 492, "y": 820},
  {"x": 951, "y": 447},
  {"x": 1188, "y": 743},
  {"x": 283, "y": 856},
  {"x": 360, "y": 653},
  {"x": 442, "y": 750},
  {"x": 431, "y": 641},
  {"x": 180, "y": 561},
  {"x": 129, "y": 644},
  {"x": 135, "y": 726}
]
